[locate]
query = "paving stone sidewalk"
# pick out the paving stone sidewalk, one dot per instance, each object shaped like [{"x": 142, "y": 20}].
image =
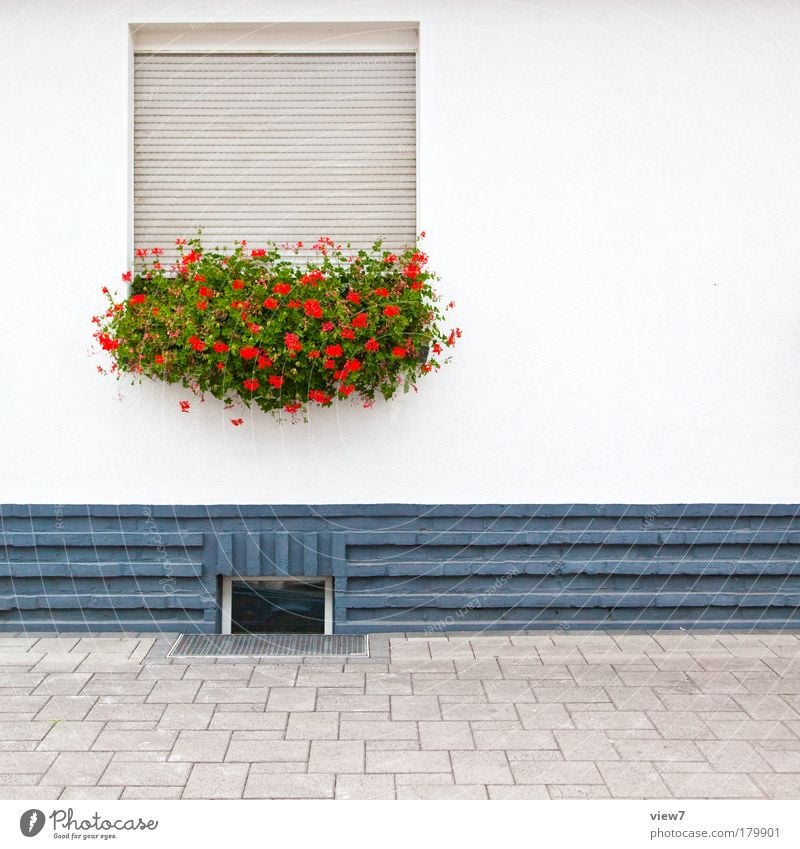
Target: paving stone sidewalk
[{"x": 530, "y": 716}]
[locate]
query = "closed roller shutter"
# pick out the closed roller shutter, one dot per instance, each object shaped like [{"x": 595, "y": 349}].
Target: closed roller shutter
[{"x": 279, "y": 147}]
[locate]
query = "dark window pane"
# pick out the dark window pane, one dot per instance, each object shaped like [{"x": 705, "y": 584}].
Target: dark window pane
[{"x": 278, "y": 607}]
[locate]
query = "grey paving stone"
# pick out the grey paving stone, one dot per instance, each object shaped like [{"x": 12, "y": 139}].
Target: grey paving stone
[
  {"x": 477, "y": 712},
  {"x": 584, "y": 745},
  {"x": 21, "y": 704},
  {"x": 126, "y": 712},
  {"x": 442, "y": 791},
  {"x": 659, "y": 750},
  {"x": 200, "y": 746},
  {"x": 781, "y": 755},
  {"x": 544, "y": 716},
  {"x": 337, "y": 756},
  {"x": 145, "y": 774},
  {"x": 716, "y": 785},
  {"x": 365, "y": 787},
  {"x": 221, "y": 691},
  {"x": 633, "y": 780},
  {"x": 216, "y": 781},
  {"x": 779, "y": 785},
  {"x": 312, "y": 726},
  {"x": 515, "y": 739},
  {"x": 66, "y": 707},
  {"x": 247, "y": 720},
  {"x": 734, "y": 756},
  {"x": 388, "y": 684},
  {"x": 680, "y": 725},
  {"x": 352, "y": 704},
  {"x": 381, "y": 730},
  {"x": 619, "y": 719},
  {"x": 518, "y": 791},
  {"x": 481, "y": 768},
  {"x": 30, "y": 730},
  {"x": 174, "y": 691},
  {"x": 16, "y": 763},
  {"x": 62, "y": 684},
  {"x": 29, "y": 791},
  {"x": 416, "y": 762},
  {"x": 267, "y": 786},
  {"x": 415, "y": 707},
  {"x": 71, "y": 736},
  {"x": 445, "y": 735},
  {"x": 77, "y": 768},
  {"x": 556, "y": 772},
  {"x": 90, "y": 792},
  {"x": 148, "y": 740},
  {"x": 292, "y": 698},
  {"x": 246, "y": 751},
  {"x": 162, "y": 792},
  {"x": 186, "y": 717}
]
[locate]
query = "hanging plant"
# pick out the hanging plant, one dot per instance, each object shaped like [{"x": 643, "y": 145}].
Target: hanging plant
[{"x": 264, "y": 327}]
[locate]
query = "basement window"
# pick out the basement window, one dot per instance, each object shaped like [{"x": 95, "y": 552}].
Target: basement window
[{"x": 277, "y": 606}]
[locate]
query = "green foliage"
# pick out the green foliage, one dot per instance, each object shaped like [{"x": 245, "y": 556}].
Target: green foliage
[{"x": 270, "y": 329}]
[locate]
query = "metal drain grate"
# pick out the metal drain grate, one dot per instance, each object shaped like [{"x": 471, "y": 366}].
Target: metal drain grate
[{"x": 270, "y": 645}]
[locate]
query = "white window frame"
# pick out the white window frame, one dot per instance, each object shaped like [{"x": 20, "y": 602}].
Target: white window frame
[
  {"x": 227, "y": 595},
  {"x": 269, "y": 37}
]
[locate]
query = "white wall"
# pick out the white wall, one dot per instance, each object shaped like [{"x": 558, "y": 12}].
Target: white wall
[{"x": 611, "y": 192}]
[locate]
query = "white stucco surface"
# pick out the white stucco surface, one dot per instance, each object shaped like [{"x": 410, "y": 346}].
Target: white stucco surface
[{"x": 611, "y": 193}]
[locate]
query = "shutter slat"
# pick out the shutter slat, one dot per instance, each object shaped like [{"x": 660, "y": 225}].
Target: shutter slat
[{"x": 279, "y": 147}]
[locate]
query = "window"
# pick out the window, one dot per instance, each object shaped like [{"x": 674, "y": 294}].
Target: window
[
  {"x": 277, "y": 606},
  {"x": 317, "y": 138}
]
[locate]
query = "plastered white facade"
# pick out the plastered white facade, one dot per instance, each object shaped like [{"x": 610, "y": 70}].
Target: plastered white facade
[{"x": 612, "y": 196}]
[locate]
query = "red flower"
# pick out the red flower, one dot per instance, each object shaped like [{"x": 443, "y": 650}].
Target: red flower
[
  {"x": 312, "y": 278},
  {"x": 419, "y": 258},
  {"x": 398, "y": 352},
  {"x": 390, "y": 258},
  {"x": 312, "y": 309},
  {"x": 417, "y": 284},
  {"x": 313, "y": 355},
  {"x": 141, "y": 252},
  {"x": 329, "y": 364},
  {"x": 352, "y": 365},
  {"x": 319, "y": 396},
  {"x": 412, "y": 270},
  {"x": 391, "y": 311},
  {"x": 205, "y": 292},
  {"x": 271, "y": 304},
  {"x": 192, "y": 256},
  {"x": 252, "y": 384},
  {"x": 334, "y": 351},
  {"x": 256, "y": 252},
  {"x": 237, "y": 284},
  {"x": 180, "y": 241},
  {"x": 202, "y": 305},
  {"x": 264, "y": 362},
  {"x": 353, "y": 297},
  {"x": 154, "y": 311},
  {"x": 372, "y": 345},
  {"x": 437, "y": 348},
  {"x": 197, "y": 344},
  {"x": 253, "y": 328},
  {"x": 292, "y": 342},
  {"x": 159, "y": 359},
  {"x": 294, "y": 305},
  {"x": 359, "y": 320},
  {"x": 220, "y": 366},
  {"x": 347, "y": 333},
  {"x": 104, "y": 290},
  {"x": 292, "y": 408},
  {"x": 382, "y": 292},
  {"x": 346, "y": 390},
  {"x": 237, "y": 422},
  {"x": 126, "y": 277},
  {"x": 156, "y": 251},
  {"x": 199, "y": 278},
  {"x": 327, "y": 326},
  {"x": 184, "y": 405},
  {"x": 107, "y": 343},
  {"x": 276, "y": 381},
  {"x": 220, "y": 347},
  {"x": 281, "y": 288},
  {"x": 248, "y": 353},
  {"x": 136, "y": 299}
]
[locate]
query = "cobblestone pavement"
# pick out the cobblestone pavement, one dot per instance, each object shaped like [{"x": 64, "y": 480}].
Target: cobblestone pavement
[{"x": 531, "y": 716}]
